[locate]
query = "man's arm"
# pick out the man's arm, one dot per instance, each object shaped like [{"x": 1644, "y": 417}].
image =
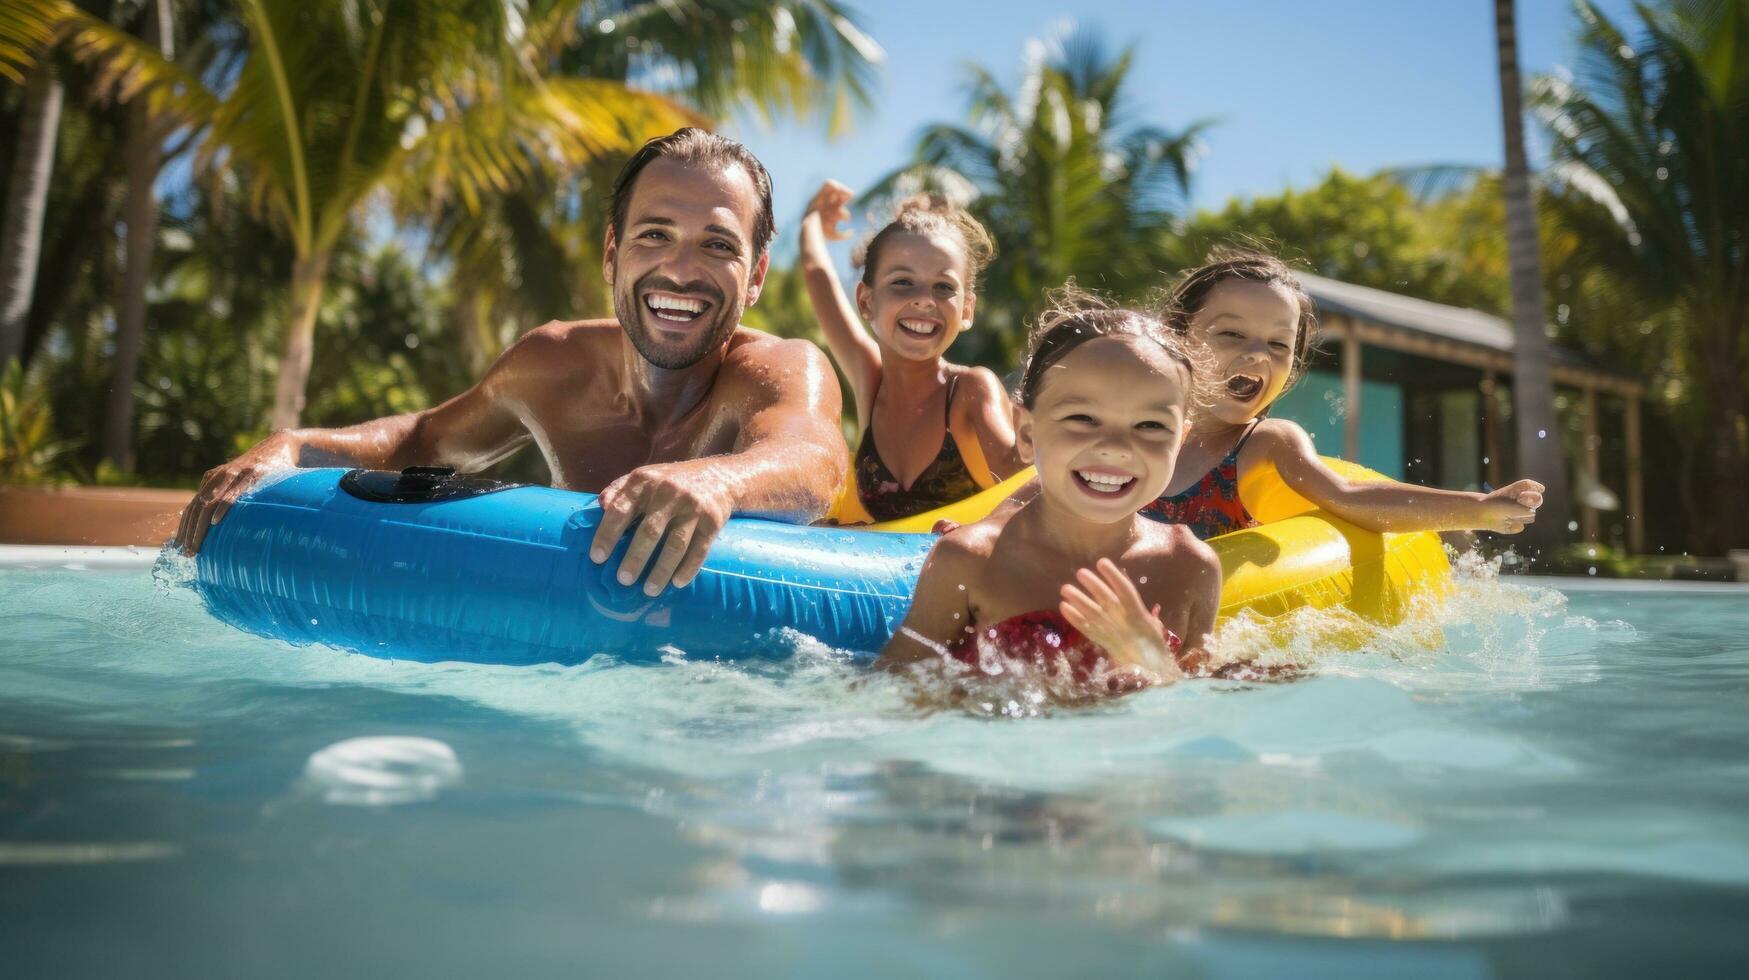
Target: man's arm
[
  {"x": 788, "y": 462},
  {"x": 471, "y": 431}
]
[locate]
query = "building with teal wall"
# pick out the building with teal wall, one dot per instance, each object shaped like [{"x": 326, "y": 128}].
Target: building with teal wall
[{"x": 1422, "y": 392}]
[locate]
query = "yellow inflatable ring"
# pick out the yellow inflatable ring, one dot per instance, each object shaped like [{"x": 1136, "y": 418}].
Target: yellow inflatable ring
[{"x": 1298, "y": 557}]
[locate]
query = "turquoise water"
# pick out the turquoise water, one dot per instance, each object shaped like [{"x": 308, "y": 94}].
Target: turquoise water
[{"x": 1560, "y": 789}]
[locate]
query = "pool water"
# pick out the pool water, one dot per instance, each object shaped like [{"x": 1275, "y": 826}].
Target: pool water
[{"x": 1559, "y": 789}]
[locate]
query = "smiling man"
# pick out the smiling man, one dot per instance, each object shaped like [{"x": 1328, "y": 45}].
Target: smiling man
[{"x": 674, "y": 412}]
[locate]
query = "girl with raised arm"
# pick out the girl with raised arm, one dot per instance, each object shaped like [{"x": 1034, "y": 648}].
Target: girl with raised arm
[{"x": 932, "y": 432}]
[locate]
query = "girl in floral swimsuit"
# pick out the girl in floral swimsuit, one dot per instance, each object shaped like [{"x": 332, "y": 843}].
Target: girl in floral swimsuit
[
  {"x": 1257, "y": 322},
  {"x": 945, "y": 429},
  {"x": 1073, "y": 582}
]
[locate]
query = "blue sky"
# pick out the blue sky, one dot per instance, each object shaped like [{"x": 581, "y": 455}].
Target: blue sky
[{"x": 1295, "y": 85}]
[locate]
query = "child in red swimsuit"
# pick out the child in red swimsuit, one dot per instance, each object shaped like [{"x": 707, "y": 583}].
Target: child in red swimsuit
[
  {"x": 1255, "y": 318},
  {"x": 1073, "y": 582},
  {"x": 945, "y": 429}
]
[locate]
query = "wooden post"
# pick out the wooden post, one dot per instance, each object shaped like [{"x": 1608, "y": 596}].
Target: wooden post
[
  {"x": 1588, "y": 522},
  {"x": 1636, "y": 515},
  {"x": 1490, "y": 429},
  {"x": 1351, "y": 394}
]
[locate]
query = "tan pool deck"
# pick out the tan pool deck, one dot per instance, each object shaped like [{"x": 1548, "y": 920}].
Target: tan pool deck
[{"x": 89, "y": 515}]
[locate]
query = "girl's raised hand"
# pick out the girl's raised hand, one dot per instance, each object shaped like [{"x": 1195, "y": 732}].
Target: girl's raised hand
[
  {"x": 832, "y": 201},
  {"x": 1108, "y": 610},
  {"x": 1513, "y": 506}
]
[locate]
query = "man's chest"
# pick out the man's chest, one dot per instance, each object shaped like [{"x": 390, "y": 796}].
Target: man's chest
[{"x": 587, "y": 452}]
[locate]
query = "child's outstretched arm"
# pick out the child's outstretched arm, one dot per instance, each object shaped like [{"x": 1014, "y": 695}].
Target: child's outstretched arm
[
  {"x": 1387, "y": 505},
  {"x": 940, "y": 611},
  {"x": 1105, "y": 606},
  {"x": 851, "y": 346}
]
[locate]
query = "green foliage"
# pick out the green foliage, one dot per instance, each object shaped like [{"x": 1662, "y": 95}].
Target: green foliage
[
  {"x": 1652, "y": 181},
  {"x": 31, "y": 451},
  {"x": 494, "y": 127},
  {"x": 1368, "y": 231},
  {"x": 1066, "y": 183},
  {"x": 388, "y": 348}
]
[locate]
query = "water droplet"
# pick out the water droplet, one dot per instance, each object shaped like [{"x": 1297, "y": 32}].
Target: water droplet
[{"x": 1542, "y": 433}]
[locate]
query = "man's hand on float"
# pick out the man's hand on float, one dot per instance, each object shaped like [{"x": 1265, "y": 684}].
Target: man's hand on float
[
  {"x": 682, "y": 506},
  {"x": 222, "y": 485}
]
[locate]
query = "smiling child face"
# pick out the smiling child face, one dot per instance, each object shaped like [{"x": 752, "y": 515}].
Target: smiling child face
[
  {"x": 919, "y": 299},
  {"x": 1251, "y": 329},
  {"x": 1106, "y": 426}
]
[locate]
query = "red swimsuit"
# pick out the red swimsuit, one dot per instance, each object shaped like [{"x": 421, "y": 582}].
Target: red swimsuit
[
  {"x": 1040, "y": 639},
  {"x": 1044, "y": 640}
]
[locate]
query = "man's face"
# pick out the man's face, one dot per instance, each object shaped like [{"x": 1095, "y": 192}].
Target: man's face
[{"x": 685, "y": 269}]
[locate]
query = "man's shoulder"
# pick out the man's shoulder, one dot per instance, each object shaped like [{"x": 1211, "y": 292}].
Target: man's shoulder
[
  {"x": 555, "y": 334},
  {"x": 761, "y": 358},
  {"x": 557, "y": 346}
]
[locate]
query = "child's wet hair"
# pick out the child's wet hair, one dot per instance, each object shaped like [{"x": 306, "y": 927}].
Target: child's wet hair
[
  {"x": 1076, "y": 316},
  {"x": 930, "y": 215},
  {"x": 1246, "y": 265}
]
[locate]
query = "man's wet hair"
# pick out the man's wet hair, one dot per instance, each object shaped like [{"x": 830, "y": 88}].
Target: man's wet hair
[{"x": 703, "y": 148}]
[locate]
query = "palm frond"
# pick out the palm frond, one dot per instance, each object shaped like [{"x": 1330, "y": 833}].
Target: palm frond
[
  {"x": 490, "y": 145},
  {"x": 768, "y": 57},
  {"x": 125, "y": 68},
  {"x": 27, "y": 27}
]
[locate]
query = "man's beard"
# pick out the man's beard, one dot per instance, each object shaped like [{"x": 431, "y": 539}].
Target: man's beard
[{"x": 635, "y": 319}]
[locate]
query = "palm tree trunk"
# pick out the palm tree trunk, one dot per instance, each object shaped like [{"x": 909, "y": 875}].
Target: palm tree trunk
[
  {"x": 1533, "y": 390},
  {"x": 27, "y": 196},
  {"x": 144, "y": 158},
  {"x": 308, "y": 276},
  {"x": 1721, "y": 379}
]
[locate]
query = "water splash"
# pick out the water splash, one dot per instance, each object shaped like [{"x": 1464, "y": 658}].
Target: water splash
[{"x": 382, "y": 770}]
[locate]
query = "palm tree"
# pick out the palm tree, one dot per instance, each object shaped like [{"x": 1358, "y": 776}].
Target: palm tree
[
  {"x": 1067, "y": 182},
  {"x": 27, "y": 29},
  {"x": 144, "y": 156},
  {"x": 335, "y": 102},
  {"x": 454, "y": 99},
  {"x": 1647, "y": 145},
  {"x": 515, "y": 260},
  {"x": 1533, "y": 387}
]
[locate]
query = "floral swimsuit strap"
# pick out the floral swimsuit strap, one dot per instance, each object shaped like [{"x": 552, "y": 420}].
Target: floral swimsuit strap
[{"x": 1211, "y": 506}]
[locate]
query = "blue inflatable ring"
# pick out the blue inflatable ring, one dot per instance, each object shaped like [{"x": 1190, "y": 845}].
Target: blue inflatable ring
[{"x": 421, "y": 566}]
